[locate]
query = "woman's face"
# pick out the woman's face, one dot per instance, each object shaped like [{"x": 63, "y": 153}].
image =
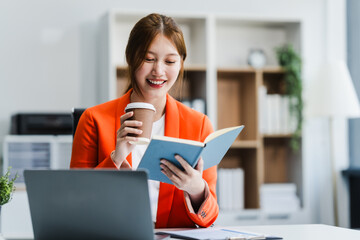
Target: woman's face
[{"x": 159, "y": 70}]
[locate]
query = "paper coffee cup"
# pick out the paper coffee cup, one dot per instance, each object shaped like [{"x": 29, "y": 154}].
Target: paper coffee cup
[{"x": 144, "y": 112}]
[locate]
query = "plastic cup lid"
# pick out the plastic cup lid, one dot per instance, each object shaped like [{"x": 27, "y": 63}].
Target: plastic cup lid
[{"x": 140, "y": 105}]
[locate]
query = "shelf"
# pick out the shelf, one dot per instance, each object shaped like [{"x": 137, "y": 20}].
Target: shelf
[
  {"x": 248, "y": 69},
  {"x": 280, "y": 135},
  {"x": 245, "y": 144},
  {"x": 195, "y": 68}
]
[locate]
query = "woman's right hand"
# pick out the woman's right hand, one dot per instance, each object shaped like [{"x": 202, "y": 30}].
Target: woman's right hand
[{"x": 124, "y": 143}]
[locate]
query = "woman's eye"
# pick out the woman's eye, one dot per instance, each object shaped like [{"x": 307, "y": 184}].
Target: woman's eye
[
  {"x": 149, "y": 59},
  {"x": 170, "y": 62}
]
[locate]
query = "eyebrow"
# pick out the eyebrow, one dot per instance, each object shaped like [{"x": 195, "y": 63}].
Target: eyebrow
[{"x": 170, "y": 54}]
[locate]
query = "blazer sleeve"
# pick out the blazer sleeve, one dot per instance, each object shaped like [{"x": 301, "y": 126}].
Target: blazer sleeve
[
  {"x": 85, "y": 145},
  {"x": 209, "y": 209}
]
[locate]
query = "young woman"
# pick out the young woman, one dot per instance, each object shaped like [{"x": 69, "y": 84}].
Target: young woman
[{"x": 155, "y": 55}]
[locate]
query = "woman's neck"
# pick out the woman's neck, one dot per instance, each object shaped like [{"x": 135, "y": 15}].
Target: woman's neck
[{"x": 159, "y": 103}]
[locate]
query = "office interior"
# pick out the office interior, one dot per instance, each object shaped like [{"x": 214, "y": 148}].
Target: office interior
[{"x": 57, "y": 55}]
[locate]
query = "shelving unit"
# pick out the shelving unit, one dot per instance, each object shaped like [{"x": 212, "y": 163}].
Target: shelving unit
[{"x": 216, "y": 71}]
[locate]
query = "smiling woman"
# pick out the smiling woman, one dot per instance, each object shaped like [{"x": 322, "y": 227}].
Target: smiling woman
[
  {"x": 106, "y": 136},
  {"x": 158, "y": 72}
]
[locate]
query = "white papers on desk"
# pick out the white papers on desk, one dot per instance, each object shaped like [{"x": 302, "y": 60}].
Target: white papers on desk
[{"x": 213, "y": 234}]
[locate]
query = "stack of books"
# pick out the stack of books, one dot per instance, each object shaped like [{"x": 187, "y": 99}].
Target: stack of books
[
  {"x": 279, "y": 198},
  {"x": 275, "y": 116},
  {"x": 231, "y": 189}
]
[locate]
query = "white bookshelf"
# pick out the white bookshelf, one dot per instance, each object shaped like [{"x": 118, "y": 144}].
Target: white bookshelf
[{"x": 218, "y": 47}]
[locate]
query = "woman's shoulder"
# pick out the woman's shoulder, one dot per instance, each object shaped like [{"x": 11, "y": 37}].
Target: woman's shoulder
[
  {"x": 102, "y": 110},
  {"x": 110, "y": 106},
  {"x": 104, "y": 106}
]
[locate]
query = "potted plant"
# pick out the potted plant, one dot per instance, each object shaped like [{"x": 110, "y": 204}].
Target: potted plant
[
  {"x": 6, "y": 187},
  {"x": 291, "y": 62}
]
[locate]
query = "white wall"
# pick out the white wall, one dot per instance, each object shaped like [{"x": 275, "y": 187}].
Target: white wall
[{"x": 48, "y": 56}]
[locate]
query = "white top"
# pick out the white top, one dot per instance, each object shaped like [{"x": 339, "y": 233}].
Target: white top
[{"x": 157, "y": 129}]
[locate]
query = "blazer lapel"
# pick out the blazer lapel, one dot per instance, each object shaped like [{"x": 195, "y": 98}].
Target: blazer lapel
[{"x": 166, "y": 192}]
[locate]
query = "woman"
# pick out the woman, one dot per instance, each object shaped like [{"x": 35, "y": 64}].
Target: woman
[{"x": 155, "y": 55}]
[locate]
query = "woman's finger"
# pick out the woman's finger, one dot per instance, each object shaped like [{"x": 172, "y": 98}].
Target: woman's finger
[
  {"x": 126, "y": 116},
  {"x": 170, "y": 174},
  {"x": 173, "y": 168},
  {"x": 184, "y": 164},
  {"x": 200, "y": 165},
  {"x": 131, "y": 123},
  {"x": 129, "y": 130}
]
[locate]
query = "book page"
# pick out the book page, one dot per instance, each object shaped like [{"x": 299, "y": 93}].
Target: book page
[
  {"x": 179, "y": 140},
  {"x": 220, "y": 132}
]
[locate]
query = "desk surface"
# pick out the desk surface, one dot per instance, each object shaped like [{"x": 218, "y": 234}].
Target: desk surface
[
  {"x": 305, "y": 232},
  {"x": 297, "y": 232}
]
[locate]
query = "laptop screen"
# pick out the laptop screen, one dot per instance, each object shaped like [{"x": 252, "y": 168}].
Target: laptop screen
[{"x": 91, "y": 204}]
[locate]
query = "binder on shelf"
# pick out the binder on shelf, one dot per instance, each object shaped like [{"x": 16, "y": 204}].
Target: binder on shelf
[{"x": 231, "y": 189}]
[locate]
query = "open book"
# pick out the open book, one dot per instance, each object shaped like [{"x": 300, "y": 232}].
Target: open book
[{"x": 212, "y": 150}]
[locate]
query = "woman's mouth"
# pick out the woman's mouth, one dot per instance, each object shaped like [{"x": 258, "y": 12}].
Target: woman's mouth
[{"x": 155, "y": 83}]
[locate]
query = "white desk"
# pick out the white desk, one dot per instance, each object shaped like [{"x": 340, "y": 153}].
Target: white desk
[
  {"x": 301, "y": 232},
  {"x": 306, "y": 232}
]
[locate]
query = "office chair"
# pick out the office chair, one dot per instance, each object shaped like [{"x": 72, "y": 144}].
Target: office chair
[{"x": 76, "y": 114}]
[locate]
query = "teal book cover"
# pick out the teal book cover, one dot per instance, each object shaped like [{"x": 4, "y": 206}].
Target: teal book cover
[{"x": 212, "y": 150}]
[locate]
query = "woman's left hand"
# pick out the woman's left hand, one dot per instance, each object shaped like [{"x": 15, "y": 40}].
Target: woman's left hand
[{"x": 190, "y": 180}]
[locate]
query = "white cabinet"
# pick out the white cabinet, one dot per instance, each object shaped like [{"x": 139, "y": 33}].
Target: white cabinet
[
  {"x": 36, "y": 152},
  {"x": 29, "y": 152},
  {"x": 216, "y": 71}
]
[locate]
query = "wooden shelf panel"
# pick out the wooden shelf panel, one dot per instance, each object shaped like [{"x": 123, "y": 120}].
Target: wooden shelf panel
[
  {"x": 277, "y": 135},
  {"x": 248, "y": 69},
  {"x": 195, "y": 68},
  {"x": 237, "y": 102},
  {"x": 245, "y": 144}
]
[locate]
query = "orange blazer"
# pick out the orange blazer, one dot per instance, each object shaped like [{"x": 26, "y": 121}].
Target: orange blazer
[{"x": 95, "y": 139}]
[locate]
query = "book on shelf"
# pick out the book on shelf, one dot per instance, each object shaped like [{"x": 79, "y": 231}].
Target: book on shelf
[
  {"x": 212, "y": 150},
  {"x": 275, "y": 116},
  {"x": 231, "y": 188}
]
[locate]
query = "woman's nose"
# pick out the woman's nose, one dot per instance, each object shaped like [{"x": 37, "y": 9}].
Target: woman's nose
[{"x": 158, "y": 68}]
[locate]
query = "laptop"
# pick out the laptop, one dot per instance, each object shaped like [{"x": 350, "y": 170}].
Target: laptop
[{"x": 89, "y": 204}]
